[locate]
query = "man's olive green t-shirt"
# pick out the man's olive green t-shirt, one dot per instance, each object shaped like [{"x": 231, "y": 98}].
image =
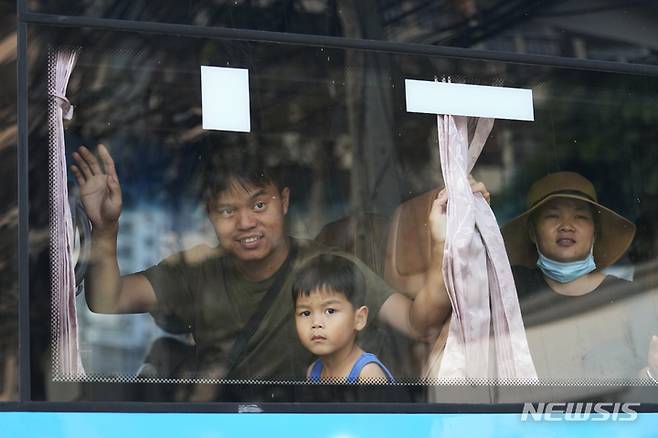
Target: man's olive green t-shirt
[{"x": 209, "y": 297}]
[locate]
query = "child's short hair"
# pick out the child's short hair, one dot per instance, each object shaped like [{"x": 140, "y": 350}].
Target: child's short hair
[{"x": 331, "y": 271}]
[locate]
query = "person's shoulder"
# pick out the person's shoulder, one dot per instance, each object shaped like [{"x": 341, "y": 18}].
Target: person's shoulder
[
  {"x": 613, "y": 279},
  {"x": 527, "y": 280},
  {"x": 523, "y": 272},
  {"x": 373, "y": 371},
  {"x": 617, "y": 286},
  {"x": 194, "y": 256},
  {"x": 309, "y": 369},
  {"x": 312, "y": 248},
  {"x": 307, "y": 246}
]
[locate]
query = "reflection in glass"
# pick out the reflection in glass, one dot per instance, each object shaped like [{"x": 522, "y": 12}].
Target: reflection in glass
[
  {"x": 598, "y": 30},
  {"x": 9, "y": 375},
  {"x": 334, "y": 122}
]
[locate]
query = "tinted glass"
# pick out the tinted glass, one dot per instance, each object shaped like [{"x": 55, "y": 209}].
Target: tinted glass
[
  {"x": 599, "y": 30},
  {"x": 8, "y": 209},
  {"x": 334, "y": 123}
]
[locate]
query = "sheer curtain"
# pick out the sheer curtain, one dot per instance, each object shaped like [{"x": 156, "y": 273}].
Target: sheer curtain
[
  {"x": 66, "y": 358},
  {"x": 486, "y": 338}
]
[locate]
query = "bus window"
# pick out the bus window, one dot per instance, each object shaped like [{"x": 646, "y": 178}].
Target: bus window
[{"x": 191, "y": 232}]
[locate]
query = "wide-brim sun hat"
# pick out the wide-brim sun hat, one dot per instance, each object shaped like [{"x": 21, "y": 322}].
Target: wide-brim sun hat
[{"x": 614, "y": 233}]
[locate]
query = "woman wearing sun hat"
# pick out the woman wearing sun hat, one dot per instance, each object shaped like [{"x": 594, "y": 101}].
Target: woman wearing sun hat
[{"x": 577, "y": 325}]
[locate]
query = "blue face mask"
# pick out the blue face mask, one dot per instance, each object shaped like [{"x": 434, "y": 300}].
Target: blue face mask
[{"x": 565, "y": 272}]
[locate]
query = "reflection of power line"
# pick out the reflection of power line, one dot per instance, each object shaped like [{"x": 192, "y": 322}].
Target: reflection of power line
[
  {"x": 429, "y": 11},
  {"x": 610, "y": 7},
  {"x": 498, "y": 18},
  {"x": 401, "y": 16}
]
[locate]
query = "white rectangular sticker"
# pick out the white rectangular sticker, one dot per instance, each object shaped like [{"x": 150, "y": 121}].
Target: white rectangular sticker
[
  {"x": 432, "y": 97},
  {"x": 225, "y": 99}
]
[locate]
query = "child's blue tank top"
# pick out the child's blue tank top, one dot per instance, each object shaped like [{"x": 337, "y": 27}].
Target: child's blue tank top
[{"x": 353, "y": 377}]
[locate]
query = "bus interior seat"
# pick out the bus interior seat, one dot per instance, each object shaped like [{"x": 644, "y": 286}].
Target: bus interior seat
[
  {"x": 363, "y": 236},
  {"x": 409, "y": 240},
  {"x": 407, "y": 259}
]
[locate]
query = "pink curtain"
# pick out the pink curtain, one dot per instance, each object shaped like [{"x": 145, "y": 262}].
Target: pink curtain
[
  {"x": 66, "y": 358},
  {"x": 486, "y": 337}
]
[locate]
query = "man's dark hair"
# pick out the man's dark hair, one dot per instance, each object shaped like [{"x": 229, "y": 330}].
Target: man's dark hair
[
  {"x": 228, "y": 163},
  {"x": 334, "y": 272}
]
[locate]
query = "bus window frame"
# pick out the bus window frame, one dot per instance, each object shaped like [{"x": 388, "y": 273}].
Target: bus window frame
[{"x": 25, "y": 19}]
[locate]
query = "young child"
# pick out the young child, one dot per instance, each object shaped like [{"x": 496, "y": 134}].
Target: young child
[{"x": 329, "y": 298}]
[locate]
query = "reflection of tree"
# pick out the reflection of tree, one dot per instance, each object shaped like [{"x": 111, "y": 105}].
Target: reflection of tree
[
  {"x": 140, "y": 93},
  {"x": 370, "y": 113},
  {"x": 602, "y": 126},
  {"x": 8, "y": 208},
  {"x": 610, "y": 125}
]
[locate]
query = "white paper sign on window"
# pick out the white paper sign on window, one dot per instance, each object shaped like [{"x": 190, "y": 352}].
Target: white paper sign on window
[
  {"x": 432, "y": 97},
  {"x": 225, "y": 99}
]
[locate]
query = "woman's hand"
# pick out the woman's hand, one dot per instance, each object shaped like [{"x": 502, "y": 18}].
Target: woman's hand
[
  {"x": 479, "y": 187},
  {"x": 439, "y": 218},
  {"x": 438, "y": 214}
]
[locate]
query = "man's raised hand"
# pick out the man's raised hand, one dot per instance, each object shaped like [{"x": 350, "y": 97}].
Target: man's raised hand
[{"x": 100, "y": 191}]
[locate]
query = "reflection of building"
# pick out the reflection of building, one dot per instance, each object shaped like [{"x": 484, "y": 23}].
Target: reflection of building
[
  {"x": 597, "y": 30},
  {"x": 140, "y": 243},
  {"x": 117, "y": 344},
  {"x": 113, "y": 344},
  {"x": 588, "y": 29}
]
